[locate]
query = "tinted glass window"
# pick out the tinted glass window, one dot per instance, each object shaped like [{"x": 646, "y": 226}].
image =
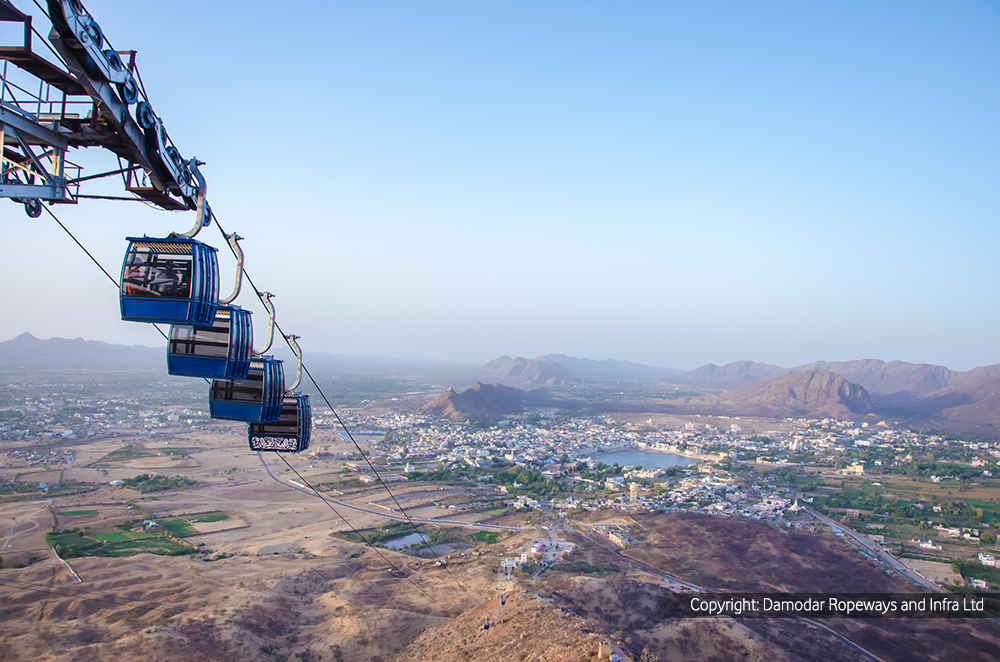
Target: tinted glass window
[
  {"x": 212, "y": 342},
  {"x": 157, "y": 276},
  {"x": 249, "y": 390}
]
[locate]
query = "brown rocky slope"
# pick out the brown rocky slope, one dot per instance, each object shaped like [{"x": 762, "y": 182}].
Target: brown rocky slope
[{"x": 819, "y": 392}]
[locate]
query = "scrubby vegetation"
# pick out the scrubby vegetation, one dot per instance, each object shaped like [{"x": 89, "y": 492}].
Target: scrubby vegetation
[
  {"x": 157, "y": 483},
  {"x": 137, "y": 451}
]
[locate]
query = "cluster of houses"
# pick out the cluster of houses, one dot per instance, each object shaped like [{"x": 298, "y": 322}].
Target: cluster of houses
[
  {"x": 547, "y": 551},
  {"x": 31, "y": 458},
  {"x": 52, "y": 417}
]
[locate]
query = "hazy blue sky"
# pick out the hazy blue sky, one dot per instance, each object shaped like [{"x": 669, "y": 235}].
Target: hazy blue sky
[{"x": 671, "y": 183}]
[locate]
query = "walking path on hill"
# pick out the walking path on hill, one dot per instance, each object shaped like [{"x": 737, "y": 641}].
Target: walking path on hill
[{"x": 9, "y": 535}]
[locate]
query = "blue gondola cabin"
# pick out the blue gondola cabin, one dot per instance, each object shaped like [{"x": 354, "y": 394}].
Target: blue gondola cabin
[
  {"x": 256, "y": 399},
  {"x": 222, "y": 350},
  {"x": 175, "y": 281},
  {"x": 290, "y": 433}
]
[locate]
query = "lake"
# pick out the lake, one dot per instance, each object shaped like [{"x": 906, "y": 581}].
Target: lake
[
  {"x": 404, "y": 542},
  {"x": 645, "y": 459},
  {"x": 398, "y": 544}
]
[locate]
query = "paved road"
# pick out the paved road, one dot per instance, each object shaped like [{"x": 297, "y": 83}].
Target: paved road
[
  {"x": 341, "y": 504},
  {"x": 869, "y": 545}
]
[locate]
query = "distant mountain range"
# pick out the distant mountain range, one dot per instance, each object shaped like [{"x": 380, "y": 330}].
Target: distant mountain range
[
  {"x": 527, "y": 372},
  {"x": 964, "y": 401},
  {"x": 28, "y": 352},
  {"x": 893, "y": 382},
  {"x": 927, "y": 395},
  {"x": 818, "y": 393},
  {"x": 560, "y": 370},
  {"x": 730, "y": 375},
  {"x": 609, "y": 368}
]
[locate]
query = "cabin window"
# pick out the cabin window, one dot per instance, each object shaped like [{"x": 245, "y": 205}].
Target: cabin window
[{"x": 156, "y": 275}]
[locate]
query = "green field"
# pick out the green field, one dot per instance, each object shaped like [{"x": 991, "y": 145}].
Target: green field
[
  {"x": 78, "y": 513},
  {"x": 975, "y": 569},
  {"x": 72, "y": 543},
  {"x": 123, "y": 536},
  {"x": 178, "y": 526},
  {"x": 210, "y": 517},
  {"x": 488, "y": 537}
]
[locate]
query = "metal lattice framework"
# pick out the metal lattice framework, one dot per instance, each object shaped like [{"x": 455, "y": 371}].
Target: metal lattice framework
[{"x": 83, "y": 93}]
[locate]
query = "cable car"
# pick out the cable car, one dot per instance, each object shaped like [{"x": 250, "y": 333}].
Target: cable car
[
  {"x": 171, "y": 280},
  {"x": 257, "y": 398},
  {"x": 292, "y": 430},
  {"x": 221, "y": 350}
]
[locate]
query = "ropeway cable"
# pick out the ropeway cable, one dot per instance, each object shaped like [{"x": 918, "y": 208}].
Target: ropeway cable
[
  {"x": 346, "y": 521},
  {"x": 356, "y": 532},
  {"x": 347, "y": 430},
  {"x": 94, "y": 260}
]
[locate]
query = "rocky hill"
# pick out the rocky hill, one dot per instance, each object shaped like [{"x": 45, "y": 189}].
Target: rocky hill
[
  {"x": 816, "y": 393},
  {"x": 527, "y": 372},
  {"x": 929, "y": 395},
  {"x": 491, "y": 402},
  {"x": 531, "y": 630},
  {"x": 970, "y": 406},
  {"x": 889, "y": 378},
  {"x": 480, "y": 402}
]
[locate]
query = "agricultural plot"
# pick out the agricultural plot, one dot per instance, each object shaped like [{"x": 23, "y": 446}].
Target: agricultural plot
[
  {"x": 488, "y": 537},
  {"x": 178, "y": 526},
  {"x": 138, "y": 451},
  {"x": 183, "y": 526},
  {"x": 71, "y": 543},
  {"x": 211, "y": 517}
]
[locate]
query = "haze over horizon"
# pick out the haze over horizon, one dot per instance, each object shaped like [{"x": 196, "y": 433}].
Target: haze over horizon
[
  {"x": 666, "y": 184},
  {"x": 481, "y": 362}
]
